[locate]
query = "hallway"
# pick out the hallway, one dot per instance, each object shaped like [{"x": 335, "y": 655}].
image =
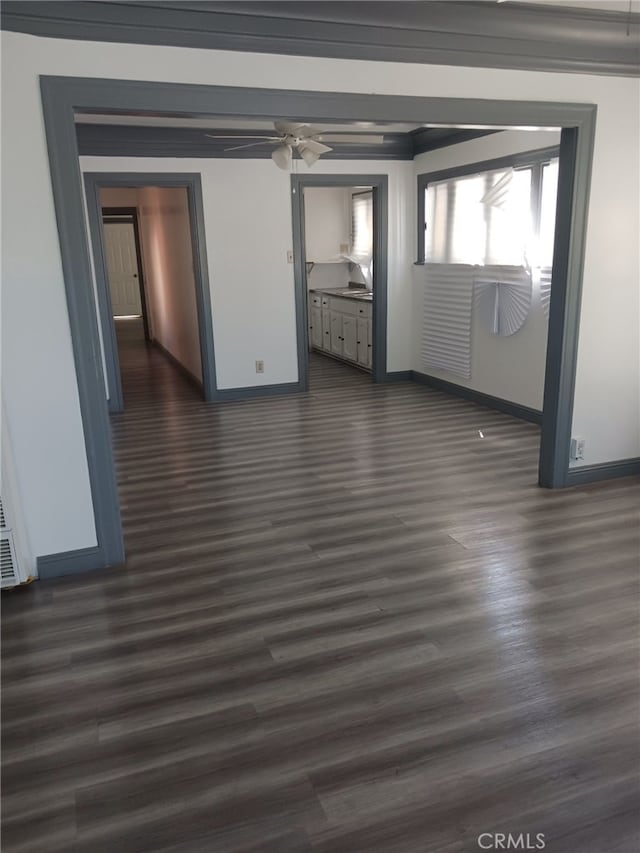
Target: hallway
[{"x": 346, "y": 620}]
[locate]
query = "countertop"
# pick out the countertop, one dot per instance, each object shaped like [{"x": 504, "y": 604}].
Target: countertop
[{"x": 343, "y": 293}]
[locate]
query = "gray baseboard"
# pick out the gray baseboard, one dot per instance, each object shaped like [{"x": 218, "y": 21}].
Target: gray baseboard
[
  {"x": 70, "y": 562},
  {"x": 603, "y": 471},
  {"x": 176, "y": 363},
  {"x": 253, "y": 391},
  {"x": 398, "y": 376},
  {"x": 505, "y": 406}
]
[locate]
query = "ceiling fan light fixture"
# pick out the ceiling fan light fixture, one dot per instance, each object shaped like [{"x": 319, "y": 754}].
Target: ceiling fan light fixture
[
  {"x": 281, "y": 156},
  {"x": 310, "y": 157}
]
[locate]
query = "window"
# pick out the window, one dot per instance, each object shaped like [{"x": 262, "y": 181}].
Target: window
[
  {"x": 362, "y": 224},
  {"x": 498, "y": 212},
  {"x": 362, "y": 234}
]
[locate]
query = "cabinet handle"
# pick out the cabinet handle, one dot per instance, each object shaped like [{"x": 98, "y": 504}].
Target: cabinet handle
[
  {"x": 358, "y": 342},
  {"x": 369, "y": 345}
]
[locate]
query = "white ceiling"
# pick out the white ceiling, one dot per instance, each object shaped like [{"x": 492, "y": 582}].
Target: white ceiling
[{"x": 231, "y": 123}]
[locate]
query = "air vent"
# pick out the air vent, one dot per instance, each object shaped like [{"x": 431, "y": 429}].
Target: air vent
[
  {"x": 3, "y": 520},
  {"x": 9, "y": 571}
]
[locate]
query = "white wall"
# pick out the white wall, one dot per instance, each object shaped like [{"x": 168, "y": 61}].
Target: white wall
[
  {"x": 327, "y": 222},
  {"x": 42, "y": 396},
  {"x": 247, "y": 213},
  {"x": 165, "y": 237},
  {"x": 511, "y": 368}
]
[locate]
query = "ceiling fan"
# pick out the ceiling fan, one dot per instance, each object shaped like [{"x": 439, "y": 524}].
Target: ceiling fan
[{"x": 308, "y": 141}]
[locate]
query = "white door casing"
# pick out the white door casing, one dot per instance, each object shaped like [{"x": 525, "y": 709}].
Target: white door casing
[{"x": 122, "y": 268}]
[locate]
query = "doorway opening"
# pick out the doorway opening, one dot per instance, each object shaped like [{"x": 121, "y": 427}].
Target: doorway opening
[
  {"x": 150, "y": 272},
  {"x": 340, "y": 275},
  {"x": 340, "y": 239},
  {"x": 123, "y": 256}
]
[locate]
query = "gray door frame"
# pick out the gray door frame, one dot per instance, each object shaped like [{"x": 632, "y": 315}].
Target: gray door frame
[
  {"x": 191, "y": 181},
  {"x": 380, "y": 184},
  {"x": 63, "y": 96}
]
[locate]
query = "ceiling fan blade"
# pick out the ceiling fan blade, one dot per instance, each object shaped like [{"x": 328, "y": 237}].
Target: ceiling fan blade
[
  {"x": 352, "y": 139},
  {"x": 240, "y": 147},
  {"x": 282, "y": 156},
  {"x": 315, "y": 146},
  {"x": 242, "y": 136}
]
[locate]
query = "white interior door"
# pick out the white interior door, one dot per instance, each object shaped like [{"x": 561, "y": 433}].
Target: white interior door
[{"x": 122, "y": 268}]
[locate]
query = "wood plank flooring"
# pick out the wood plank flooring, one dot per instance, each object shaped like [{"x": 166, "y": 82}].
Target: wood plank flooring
[{"x": 347, "y": 623}]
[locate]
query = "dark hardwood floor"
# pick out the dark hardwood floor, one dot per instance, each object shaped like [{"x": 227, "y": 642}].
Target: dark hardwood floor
[{"x": 347, "y": 623}]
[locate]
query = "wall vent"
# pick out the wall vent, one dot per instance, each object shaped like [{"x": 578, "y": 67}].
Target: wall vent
[
  {"x": 8, "y": 563},
  {"x": 9, "y": 574}
]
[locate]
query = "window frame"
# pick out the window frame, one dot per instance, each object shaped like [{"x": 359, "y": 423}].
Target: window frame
[{"x": 534, "y": 159}]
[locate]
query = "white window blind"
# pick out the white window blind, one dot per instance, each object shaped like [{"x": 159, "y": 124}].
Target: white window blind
[
  {"x": 446, "y": 327},
  {"x": 362, "y": 224}
]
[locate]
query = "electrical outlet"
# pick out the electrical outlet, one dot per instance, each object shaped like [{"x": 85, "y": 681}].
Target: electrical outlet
[
  {"x": 577, "y": 448},
  {"x": 259, "y": 366},
  {"x": 289, "y": 256}
]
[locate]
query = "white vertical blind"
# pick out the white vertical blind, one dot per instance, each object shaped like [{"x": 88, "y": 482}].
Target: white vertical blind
[
  {"x": 446, "y": 327},
  {"x": 362, "y": 224}
]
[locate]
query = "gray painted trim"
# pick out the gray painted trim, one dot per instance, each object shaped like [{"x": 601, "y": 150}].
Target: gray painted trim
[
  {"x": 603, "y": 471},
  {"x": 61, "y": 95},
  {"x": 69, "y": 207},
  {"x": 119, "y": 140},
  {"x": 380, "y": 184},
  {"x": 511, "y": 161},
  {"x": 520, "y": 36},
  {"x": 253, "y": 391},
  {"x": 398, "y": 376},
  {"x": 574, "y": 183},
  {"x": 94, "y": 181},
  {"x": 70, "y": 562},
  {"x": 516, "y": 410},
  {"x": 115, "y": 400}
]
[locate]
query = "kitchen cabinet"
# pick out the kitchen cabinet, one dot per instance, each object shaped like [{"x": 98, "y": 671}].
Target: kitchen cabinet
[
  {"x": 336, "y": 333},
  {"x": 364, "y": 341},
  {"x": 342, "y": 327},
  {"x": 315, "y": 327},
  {"x": 349, "y": 338}
]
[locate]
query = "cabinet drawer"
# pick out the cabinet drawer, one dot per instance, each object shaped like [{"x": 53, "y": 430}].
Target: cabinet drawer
[{"x": 364, "y": 311}]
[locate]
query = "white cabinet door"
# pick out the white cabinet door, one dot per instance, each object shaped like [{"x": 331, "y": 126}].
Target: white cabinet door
[
  {"x": 315, "y": 327},
  {"x": 349, "y": 338},
  {"x": 369, "y": 343},
  {"x": 363, "y": 341},
  {"x": 336, "y": 332},
  {"x": 326, "y": 329},
  {"x": 122, "y": 268}
]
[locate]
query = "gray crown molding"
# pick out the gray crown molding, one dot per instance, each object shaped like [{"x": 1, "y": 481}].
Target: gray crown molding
[
  {"x": 430, "y": 138},
  {"x": 121, "y": 140},
  {"x": 522, "y": 36},
  {"x": 117, "y": 140}
]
